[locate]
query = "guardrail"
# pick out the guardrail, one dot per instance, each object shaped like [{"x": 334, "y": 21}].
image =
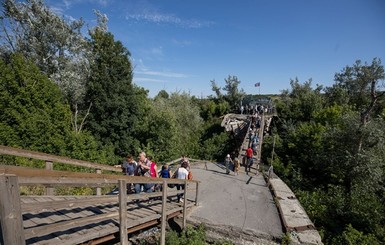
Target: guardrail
[{"x": 12, "y": 177}]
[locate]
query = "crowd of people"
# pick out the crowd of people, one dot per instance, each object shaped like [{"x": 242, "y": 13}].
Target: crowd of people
[
  {"x": 250, "y": 109},
  {"x": 144, "y": 166}
]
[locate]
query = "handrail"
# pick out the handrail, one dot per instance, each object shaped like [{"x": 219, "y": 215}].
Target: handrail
[
  {"x": 33, "y": 176},
  {"x": 11, "y": 177},
  {"x": 6, "y": 150}
]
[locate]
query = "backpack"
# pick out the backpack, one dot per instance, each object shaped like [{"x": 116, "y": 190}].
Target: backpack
[{"x": 190, "y": 176}]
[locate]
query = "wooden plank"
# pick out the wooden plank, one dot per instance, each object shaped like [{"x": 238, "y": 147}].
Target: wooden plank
[
  {"x": 65, "y": 225},
  {"x": 52, "y": 158},
  {"x": 83, "y": 201},
  {"x": 10, "y": 211},
  {"x": 49, "y": 190},
  {"x": 33, "y": 176},
  {"x": 164, "y": 215},
  {"x": 90, "y": 233},
  {"x": 123, "y": 212},
  {"x": 185, "y": 206},
  {"x": 98, "y": 190}
]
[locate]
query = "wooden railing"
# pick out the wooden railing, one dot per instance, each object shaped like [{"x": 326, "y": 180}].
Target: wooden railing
[{"x": 11, "y": 207}]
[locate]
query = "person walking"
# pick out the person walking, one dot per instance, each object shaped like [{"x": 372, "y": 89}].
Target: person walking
[
  {"x": 236, "y": 166},
  {"x": 228, "y": 161},
  {"x": 249, "y": 155},
  {"x": 166, "y": 173},
  {"x": 182, "y": 173}
]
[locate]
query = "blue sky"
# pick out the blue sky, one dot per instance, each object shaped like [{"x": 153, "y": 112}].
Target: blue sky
[{"x": 181, "y": 45}]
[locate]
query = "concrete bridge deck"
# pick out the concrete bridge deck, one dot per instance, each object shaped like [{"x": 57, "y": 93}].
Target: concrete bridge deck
[{"x": 237, "y": 207}]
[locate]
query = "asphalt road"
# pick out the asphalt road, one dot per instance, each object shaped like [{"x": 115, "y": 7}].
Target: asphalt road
[{"x": 237, "y": 206}]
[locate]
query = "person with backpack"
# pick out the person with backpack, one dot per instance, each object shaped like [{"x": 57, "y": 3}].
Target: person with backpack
[{"x": 181, "y": 173}]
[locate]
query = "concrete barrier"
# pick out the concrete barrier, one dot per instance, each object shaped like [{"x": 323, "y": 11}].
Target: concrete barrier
[{"x": 294, "y": 218}]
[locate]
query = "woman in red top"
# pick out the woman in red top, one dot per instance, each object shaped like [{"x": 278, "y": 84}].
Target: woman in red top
[{"x": 249, "y": 155}]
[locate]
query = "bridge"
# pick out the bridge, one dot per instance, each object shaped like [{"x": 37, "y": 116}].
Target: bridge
[{"x": 96, "y": 219}]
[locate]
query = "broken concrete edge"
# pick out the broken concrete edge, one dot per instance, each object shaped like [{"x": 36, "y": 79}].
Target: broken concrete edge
[
  {"x": 232, "y": 233},
  {"x": 305, "y": 233}
]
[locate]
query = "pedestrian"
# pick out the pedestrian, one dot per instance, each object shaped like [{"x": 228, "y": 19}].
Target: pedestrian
[
  {"x": 249, "y": 155},
  {"x": 128, "y": 168},
  {"x": 228, "y": 161},
  {"x": 148, "y": 169},
  {"x": 165, "y": 173},
  {"x": 236, "y": 166},
  {"x": 185, "y": 159},
  {"x": 182, "y": 173}
]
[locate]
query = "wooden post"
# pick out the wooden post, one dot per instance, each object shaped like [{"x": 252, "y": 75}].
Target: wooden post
[
  {"x": 197, "y": 193},
  {"x": 98, "y": 189},
  {"x": 10, "y": 211},
  {"x": 185, "y": 205},
  {"x": 49, "y": 191},
  {"x": 164, "y": 214},
  {"x": 123, "y": 212}
]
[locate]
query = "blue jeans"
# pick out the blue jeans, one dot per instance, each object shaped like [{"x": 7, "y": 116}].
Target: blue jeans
[
  {"x": 250, "y": 162},
  {"x": 146, "y": 188}
]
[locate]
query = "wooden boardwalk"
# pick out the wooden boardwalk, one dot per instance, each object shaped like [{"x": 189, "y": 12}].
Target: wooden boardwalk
[
  {"x": 91, "y": 223},
  {"x": 52, "y": 219}
]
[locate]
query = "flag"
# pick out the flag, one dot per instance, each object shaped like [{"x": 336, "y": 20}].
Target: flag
[{"x": 257, "y": 84}]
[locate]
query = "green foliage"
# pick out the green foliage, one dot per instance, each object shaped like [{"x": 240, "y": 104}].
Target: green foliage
[
  {"x": 354, "y": 82},
  {"x": 216, "y": 147},
  {"x": 117, "y": 108},
  {"x": 190, "y": 236},
  {"x": 53, "y": 43},
  {"x": 351, "y": 236},
  {"x": 286, "y": 240},
  {"x": 301, "y": 102},
  {"x": 172, "y": 127},
  {"x": 32, "y": 115},
  {"x": 331, "y": 151},
  {"x": 233, "y": 95}
]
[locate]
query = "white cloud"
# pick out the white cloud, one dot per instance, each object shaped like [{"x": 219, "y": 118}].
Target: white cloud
[
  {"x": 69, "y": 3},
  {"x": 145, "y": 79},
  {"x": 143, "y": 11},
  {"x": 181, "y": 43},
  {"x": 161, "y": 74},
  {"x": 168, "y": 19}
]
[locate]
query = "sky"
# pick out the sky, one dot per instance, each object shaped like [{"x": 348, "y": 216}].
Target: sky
[{"x": 182, "y": 45}]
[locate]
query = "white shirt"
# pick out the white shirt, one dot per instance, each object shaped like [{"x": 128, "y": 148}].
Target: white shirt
[{"x": 182, "y": 173}]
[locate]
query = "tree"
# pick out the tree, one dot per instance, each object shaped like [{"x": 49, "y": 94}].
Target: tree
[
  {"x": 117, "y": 105},
  {"x": 233, "y": 95},
  {"x": 173, "y": 127},
  {"x": 54, "y": 44},
  {"x": 300, "y": 102},
  {"x": 333, "y": 153},
  {"x": 32, "y": 115}
]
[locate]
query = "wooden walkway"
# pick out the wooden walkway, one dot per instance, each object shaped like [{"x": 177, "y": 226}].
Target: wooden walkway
[
  {"x": 87, "y": 223},
  {"x": 51, "y": 219}
]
